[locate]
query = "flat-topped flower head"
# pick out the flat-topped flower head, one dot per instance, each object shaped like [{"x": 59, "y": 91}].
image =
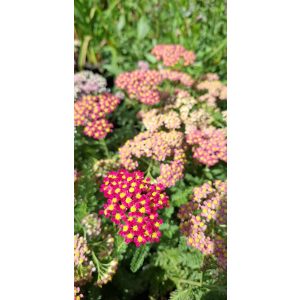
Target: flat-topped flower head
[
  {"x": 158, "y": 146},
  {"x": 90, "y": 112},
  {"x": 201, "y": 217},
  {"x": 173, "y": 54},
  {"x": 142, "y": 85},
  {"x": 88, "y": 83},
  {"x": 210, "y": 145},
  {"x": 133, "y": 203}
]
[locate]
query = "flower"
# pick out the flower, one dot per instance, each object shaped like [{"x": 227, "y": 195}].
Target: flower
[
  {"x": 214, "y": 89},
  {"x": 143, "y": 84},
  {"x": 92, "y": 225},
  {"x": 83, "y": 266},
  {"x": 143, "y": 65},
  {"x": 133, "y": 203},
  {"x": 201, "y": 217},
  {"x": 103, "y": 166},
  {"x": 107, "y": 273},
  {"x": 181, "y": 111},
  {"x": 158, "y": 146},
  {"x": 211, "y": 145},
  {"x": 88, "y": 83},
  {"x": 90, "y": 112},
  {"x": 173, "y": 54},
  {"x": 77, "y": 294}
]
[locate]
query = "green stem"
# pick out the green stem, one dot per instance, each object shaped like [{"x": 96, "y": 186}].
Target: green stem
[
  {"x": 103, "y": 143},
  {"x": 188, "y": 281}
]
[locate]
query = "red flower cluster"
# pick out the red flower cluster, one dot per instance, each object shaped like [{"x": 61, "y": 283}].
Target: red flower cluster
[
  {"x": 172, "y": 54},
  {"x": 143, "y": 84},
  {"x": 90, "y": 111},
  {"x": 133, "y": 204}
]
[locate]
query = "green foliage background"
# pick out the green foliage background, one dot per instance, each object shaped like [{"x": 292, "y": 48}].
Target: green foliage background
[{"x": 114, "y": 36}]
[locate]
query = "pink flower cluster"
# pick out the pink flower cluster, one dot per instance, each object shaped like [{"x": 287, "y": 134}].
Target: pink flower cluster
[
  {"x": 173, "y": 54},
  {"x": 90, "y": 112},
  {"x": 143, "y": 84},
  {"x": 158, "y": 146},
  {"x": 211, "y": 145},
  {"x": 201, "y": 217},
  {"x": 133, "y": 204}
]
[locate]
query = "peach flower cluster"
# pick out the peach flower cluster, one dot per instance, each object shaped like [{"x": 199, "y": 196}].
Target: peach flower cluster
[
  {"x": 180, "y": 112},
  {"x": 90, "y": 112},
  {"x": 173, "y": 54},
  {"x": 158, "y": 146},
  {"x": 201, "y": 217},
  {"x": 213, "y": 89}
]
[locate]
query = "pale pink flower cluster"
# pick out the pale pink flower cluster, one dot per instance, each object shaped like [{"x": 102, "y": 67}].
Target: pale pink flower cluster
[
  {"x": 213, "y": 89},
  {"x": 77, "y": 294},
  {"x": 173, "y": 54},
  {"x": 158, "y": 146},
  {"x": 210, "y": 145},
  {"x": 83, "y": 266},
  {"x": 201, "y": 217},
  {"x": 92, "y": 225}
]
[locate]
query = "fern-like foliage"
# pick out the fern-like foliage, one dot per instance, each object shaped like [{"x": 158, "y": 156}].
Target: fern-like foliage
[{"x": 139, "y": 257}]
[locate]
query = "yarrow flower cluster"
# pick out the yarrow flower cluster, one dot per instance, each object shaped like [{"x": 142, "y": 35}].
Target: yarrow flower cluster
[
  {"x": 207, "y": 210},
  {"x": 158, "y": 146},
  {"x": 210, "y": 145},
  {"x": 77, "y": 294},
  {"x": 107, "y": 274},
  {"x": 180, "y": 112},
  {"x": 214, "y": 89},
  {"x": 103, "y": 166},
  {"x": 83, "y": 266},
  {"x": 143, "y": 84},
  {"x": 173, "y": 54},
  {"x": 88, "y": 83},
  {"x": 133, "y": 203},
  {"x": 90, "y": 112},
  {"x": 92, "y": 225}
]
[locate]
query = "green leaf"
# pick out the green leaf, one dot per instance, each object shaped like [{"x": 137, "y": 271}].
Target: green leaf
[
  {"x": 142, "y": 28},
  {"x": 121, "y": 23},
  {"x": 138, "y": 257},
  {"x": 186, "y": 294},
  {"x": 150, "y": 58}
]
